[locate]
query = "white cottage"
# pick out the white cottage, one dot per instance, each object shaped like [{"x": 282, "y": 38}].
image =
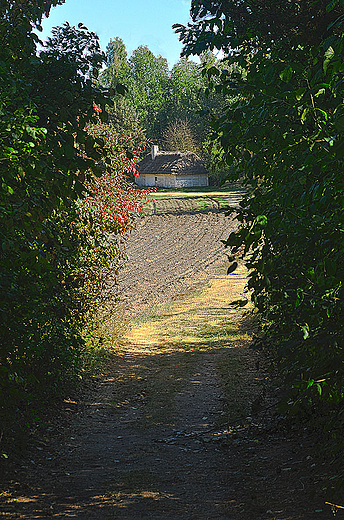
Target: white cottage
[{"x": 172, "y": 170}]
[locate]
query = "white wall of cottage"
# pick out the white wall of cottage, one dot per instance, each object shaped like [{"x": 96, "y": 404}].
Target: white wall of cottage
[{"x": 172, "y": 181}]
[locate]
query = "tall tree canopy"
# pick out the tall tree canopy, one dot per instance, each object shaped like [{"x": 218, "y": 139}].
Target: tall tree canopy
[
  {"x": 117, "y": 69},
  {"x": 150, "y": 88},
  {"x": 233, "y": 25}
]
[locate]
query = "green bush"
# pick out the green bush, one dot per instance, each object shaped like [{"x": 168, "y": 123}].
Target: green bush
[{"x": 62, "y": 192}]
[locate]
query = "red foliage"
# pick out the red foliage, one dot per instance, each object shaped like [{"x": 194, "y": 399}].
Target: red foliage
[{"x": 111, "y": 201}]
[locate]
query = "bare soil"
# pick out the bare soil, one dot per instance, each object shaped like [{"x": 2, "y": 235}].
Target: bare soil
[{"x": 181, "y": 424}]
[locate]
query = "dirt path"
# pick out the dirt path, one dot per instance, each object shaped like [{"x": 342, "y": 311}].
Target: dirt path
[{"x": 169, "y": 430}]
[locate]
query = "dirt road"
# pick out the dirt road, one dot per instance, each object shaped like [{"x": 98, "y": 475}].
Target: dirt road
[{"x": 169, "y": 431}]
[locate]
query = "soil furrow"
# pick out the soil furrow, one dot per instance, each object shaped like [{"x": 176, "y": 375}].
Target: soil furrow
[{"x": 176, "y": 251}]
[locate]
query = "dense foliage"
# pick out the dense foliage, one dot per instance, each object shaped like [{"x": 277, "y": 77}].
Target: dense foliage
[
  {"x": 62, "y": 192},
  {"x": 284, "y": 134}
]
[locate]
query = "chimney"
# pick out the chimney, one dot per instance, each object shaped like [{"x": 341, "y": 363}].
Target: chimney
[{"x": 154, "y": 152}]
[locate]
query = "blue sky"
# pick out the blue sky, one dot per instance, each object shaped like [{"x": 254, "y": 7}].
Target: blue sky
[{"x": 137, "y": 22}]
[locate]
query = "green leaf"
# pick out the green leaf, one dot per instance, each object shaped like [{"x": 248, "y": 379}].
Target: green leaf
[
  {"x": 98, "y": 170},
  {"x": 320, "y": 92},
  {"x": 322, "y": 113},
  {"x": 305, "y": 330},
  {"x": 213, "y": 71},
  {"x": 331, "y": 5},
  {"x": 299, "y": 297},
  {"x": 31, "y": 131},
  {"x": 286, "y": 74},
  {"x": 300, "y": 93},
  {"x": 330, "y": 266},
  {"x": 121, "y": 89},
  {"x": 329, "y": 53},
  {"x": 304, "y": 115},
  {"x": 232, "y": 240},
  {"x": 104, "y": 116},
  {"x": 339, "y": 149},
  {"x": 69, "y": 151},
  {"x": 262, "y": 220},
  {"x": 239, "y": 303},
  {"x": 100, "y": 141}
]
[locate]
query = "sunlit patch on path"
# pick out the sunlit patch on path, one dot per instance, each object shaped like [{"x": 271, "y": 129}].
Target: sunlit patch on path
[
  {"x": 179, "y": 352},
  {"x": 205, "y": 315}
]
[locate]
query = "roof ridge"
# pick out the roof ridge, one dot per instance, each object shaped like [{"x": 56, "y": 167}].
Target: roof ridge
[{"x": 176, "y": 163}]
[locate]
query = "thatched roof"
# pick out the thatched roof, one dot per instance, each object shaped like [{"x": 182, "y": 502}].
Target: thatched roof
[{"x": 175, "y": 163}]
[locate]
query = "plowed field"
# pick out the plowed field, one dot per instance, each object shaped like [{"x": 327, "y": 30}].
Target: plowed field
[{"x": 172, "y": 249}]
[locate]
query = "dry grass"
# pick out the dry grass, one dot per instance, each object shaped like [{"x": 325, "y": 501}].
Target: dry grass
[{"x": 169, "y": 340}]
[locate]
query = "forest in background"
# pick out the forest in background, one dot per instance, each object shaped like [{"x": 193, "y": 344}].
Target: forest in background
[{"x": 172, "y": 106}]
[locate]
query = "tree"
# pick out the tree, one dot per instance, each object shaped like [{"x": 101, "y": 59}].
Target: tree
[
  {"x": 46, "y": 100},
  {"x": 235, "y": 26},
  {"x": 187, "y": 84},
  {"x": 284, "y": 133},
  {"x": 144, "y": 81},
  {"x": 117, "y": 70},
  {"x": 191, "y": 97},
  {"x": 150, "y": 89},
  {"x": 160, "y": 97},
  {"x": 49, "y": 151},
  {"x": 178, "y": 136},
  {"x": 123, "y": 117}
]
